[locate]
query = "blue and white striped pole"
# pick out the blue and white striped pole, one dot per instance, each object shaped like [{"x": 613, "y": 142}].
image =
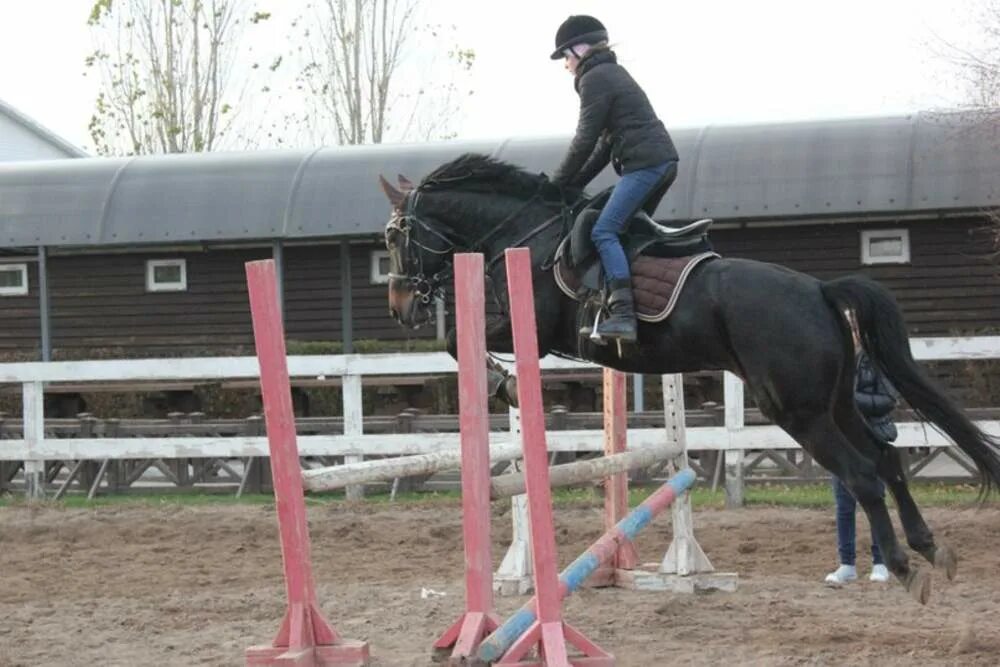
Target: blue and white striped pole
[{"x": 496, "y": 645}]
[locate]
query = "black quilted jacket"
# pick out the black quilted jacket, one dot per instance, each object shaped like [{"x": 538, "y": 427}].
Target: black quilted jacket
[
  {"x": 875, "y": 399},
  {"x": 616, "y": 122}
]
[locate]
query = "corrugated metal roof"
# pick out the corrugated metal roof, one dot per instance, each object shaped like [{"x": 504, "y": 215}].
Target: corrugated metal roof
[
  {"x": 898, "y": 165},
  {"x": 42, "y": 133}
]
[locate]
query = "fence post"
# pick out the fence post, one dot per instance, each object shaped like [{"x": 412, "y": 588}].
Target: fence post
[
  {"x": 88, "y": 427},
  {"x": 733, "y": 392},
  {"x": 33, "y": 395},
  {"x": 256, "y": 469},
  {"x": 406, "y": 423},
  {"x": 6, "y": 467},
  {"x": 616, "y": 486},
  {"x": 560, "y": 415},
  {"x": 353, "y": 425},
  {"x": 117, "y": 471},
  {"x": 638, "y": 393},
  {"x": 515, "y": 574},
  {"x": 685, "y": 556}
]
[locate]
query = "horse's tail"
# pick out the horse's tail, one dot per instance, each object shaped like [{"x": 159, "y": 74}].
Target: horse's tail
[{"x": 884, "y": 337}]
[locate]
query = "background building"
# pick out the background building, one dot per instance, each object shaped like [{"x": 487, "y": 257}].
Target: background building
[
  {"x": 144, "y": 256},
  {"x": 23, "y": 139}
]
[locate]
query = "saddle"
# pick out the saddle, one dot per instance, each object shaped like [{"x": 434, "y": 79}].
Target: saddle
[
  {"x": 643, "y": 236},
  {"x": 661, "y": 258}
]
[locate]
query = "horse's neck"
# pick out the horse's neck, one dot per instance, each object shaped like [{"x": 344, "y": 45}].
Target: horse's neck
[{"x": 482, "y": 216}]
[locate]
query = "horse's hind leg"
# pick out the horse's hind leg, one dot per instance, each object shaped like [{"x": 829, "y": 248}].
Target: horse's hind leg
[
  {"x": 918, "y": 534},
  {"x": 889, "y": 466},
  {"x": 822, "y": 438}
]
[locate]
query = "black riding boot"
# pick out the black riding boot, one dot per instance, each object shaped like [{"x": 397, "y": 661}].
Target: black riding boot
[{"x": 620, "y": 323}]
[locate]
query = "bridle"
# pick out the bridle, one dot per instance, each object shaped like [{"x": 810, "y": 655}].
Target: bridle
[{"x": 409, "y": 265}]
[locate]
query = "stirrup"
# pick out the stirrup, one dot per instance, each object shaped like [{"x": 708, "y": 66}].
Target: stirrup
[
  {"x": 597, "y": 339},
  {"x": 594, "y": 336}
]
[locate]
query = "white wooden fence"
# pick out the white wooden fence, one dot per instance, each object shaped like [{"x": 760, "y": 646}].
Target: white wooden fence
[{"x": 734, "y": 438}]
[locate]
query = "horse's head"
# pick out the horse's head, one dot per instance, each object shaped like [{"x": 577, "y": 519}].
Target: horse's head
[
  {"x": 419, "y": 256},
  {"x": 471, "y": 204}
]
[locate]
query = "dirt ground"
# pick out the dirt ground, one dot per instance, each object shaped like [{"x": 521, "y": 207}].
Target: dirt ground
[{"x": 173, "y": 585}]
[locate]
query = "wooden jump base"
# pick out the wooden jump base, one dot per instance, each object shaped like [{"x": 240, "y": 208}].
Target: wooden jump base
[
  {"x": 685, "y": 568},
  {"x": 305, "y": 637},
  {"x": 511, "y": 640}
]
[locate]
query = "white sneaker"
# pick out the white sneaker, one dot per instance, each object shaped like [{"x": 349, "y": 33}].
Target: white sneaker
[
  {"x": 842, "y": 575},
  {"x": 880, "y": 574}
]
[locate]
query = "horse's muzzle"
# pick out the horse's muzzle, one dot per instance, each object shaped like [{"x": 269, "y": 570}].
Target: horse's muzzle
[{"x": 405, "y": 305}]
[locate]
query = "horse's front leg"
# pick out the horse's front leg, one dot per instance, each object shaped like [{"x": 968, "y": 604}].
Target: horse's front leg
[{"x": 499, "y": 382}]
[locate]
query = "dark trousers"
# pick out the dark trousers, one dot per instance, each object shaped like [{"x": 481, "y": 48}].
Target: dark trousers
[{"x": 846, "y": 531}]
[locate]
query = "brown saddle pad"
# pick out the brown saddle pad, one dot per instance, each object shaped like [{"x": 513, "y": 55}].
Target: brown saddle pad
[{"x": 656, "y": 283}]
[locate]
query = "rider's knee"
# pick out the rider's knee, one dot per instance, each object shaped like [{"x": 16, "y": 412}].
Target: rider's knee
[{"x": 601, "y": 234}]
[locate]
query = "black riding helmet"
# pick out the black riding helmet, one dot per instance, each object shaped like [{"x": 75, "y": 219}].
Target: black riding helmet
[{"x": 578, "y": 29}]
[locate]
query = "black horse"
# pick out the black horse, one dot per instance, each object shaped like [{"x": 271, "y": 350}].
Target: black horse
[{"x": 784, "y": 333}]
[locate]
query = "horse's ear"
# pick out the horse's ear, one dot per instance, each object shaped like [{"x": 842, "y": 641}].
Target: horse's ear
[
  {"x": 405, "y": 184},
  {"x": 395, "y": 196}
]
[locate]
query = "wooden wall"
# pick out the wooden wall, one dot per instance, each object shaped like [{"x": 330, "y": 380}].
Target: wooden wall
[
  {"x": 100, "y": 301},
  {"x": 950, "y": 287},
  {"x": 313, "y": 296},
  {"x": 20, "y": 325}
]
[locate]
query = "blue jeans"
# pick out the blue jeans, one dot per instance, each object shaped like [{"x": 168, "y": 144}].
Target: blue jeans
[
  {"x": 629, "y": 194},
  {"x": 846, "y": 506}
]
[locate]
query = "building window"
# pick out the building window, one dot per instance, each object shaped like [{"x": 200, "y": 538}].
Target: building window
[
  {"x": 13, "y": 279},
  {"x": 166, "y": 275},
  {"x": 885, "y": 246},
  {"x": 380, "y": 267}
]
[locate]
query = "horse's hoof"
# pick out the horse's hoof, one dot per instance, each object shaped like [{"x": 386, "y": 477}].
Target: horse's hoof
[
  {"x": 946, "y": 559},
  {"x": 918, "y": 583}
]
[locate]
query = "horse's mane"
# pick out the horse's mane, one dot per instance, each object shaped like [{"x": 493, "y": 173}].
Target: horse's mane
[{"x": 475, "y": 172}]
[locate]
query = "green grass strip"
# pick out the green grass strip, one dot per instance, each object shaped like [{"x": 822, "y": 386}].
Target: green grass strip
[{"x": 815, "y": 495}]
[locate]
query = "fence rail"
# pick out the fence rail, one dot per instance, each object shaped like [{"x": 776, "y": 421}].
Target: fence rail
[{"x": 39, "y": 440}]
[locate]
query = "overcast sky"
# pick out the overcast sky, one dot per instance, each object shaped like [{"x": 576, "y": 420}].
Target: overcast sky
[{"x": 701, "y": 62}]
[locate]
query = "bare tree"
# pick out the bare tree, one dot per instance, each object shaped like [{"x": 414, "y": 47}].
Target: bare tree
[
  {"x": 166, "y": 69},
  {"x": 353, "y": 72},
  {"x": 981, "y": 66},
  {"x": 977, "y": 64},
  {"x": 977, "y": 67}
]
